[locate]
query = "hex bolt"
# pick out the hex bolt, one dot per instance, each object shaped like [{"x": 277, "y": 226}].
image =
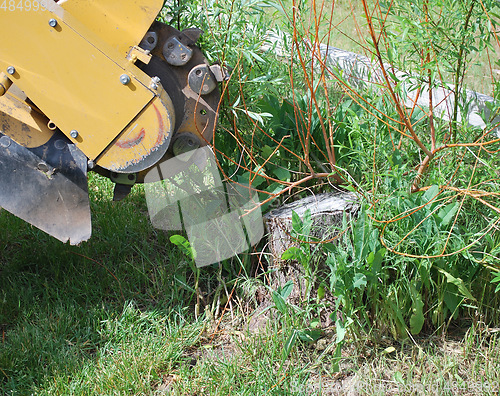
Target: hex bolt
[
  {"x": 124, "y": 79},
  {"x": 52, "y": 22},
  {"x": 74, "y": 134},
  {"x": 154, "y": 82},
  {"x": 90, "y": 164},
  {"x": 11, "y": 70}
]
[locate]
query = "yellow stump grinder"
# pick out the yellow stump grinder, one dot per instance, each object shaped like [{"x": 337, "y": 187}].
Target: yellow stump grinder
[{"x": 93, "y": 85}]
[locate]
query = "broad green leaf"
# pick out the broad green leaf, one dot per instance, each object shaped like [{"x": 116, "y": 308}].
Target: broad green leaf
[
  {"x": 430, "y": 193},
  {"x": 390, "y": 55},
  {"x": 361, "y": 236},
  {"x": 273, "y": 188},
  {"x": 495, "y": 280},
  {"x": 289, "y": 343},
  {"x": 310, "y": 335},
  {"x": 282, "y": 173},
  {"x": 341, "y": 330},
  {"x": 280, "y": 302},
  {"x": 267, "y": 151},
  {"x": 296, "y": 223},
  {"x": 397, "y": 315},
  {"x": 389, "y": 350},
  {"x": 452, "y": 300},
  {"x": 292, "y": 253},
  {"x": 459, "y": 283},
  {"x": 314, "y": 323},
  {"x": 184, "y": 245},
  {"x": 398, "y": 377},
  {"x": 307, "y": 223},
  {"x": 359, "y": 281},
  {"x": 329, "y": 247},
  {"x": 336, "y": 359},
  {"x": 374, "y": 261},
  {"x": 286, "y": 290},
  {"x": 447, "y": 213},
  {"x": 417, "y": 317},
  {"x": 321, "y": 292}
]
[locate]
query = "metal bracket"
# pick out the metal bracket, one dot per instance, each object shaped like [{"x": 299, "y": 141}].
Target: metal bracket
[
  {"x": 123, "y": 178},
  {"x": 137, "y": 53},
  {"x": 176, "y": 53},
  {"x": 201, "y": 80}
]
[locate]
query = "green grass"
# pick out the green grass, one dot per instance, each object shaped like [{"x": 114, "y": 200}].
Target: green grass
[
  {"x": 115, "y": 316},
  {"x": 57, "y": 301}
]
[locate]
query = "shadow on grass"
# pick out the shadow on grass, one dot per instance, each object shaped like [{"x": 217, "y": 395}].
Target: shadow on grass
[{"x": 63, "y": 308}]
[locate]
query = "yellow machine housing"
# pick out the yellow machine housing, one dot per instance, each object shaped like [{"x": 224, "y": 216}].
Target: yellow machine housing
[{"x": 94, "y": 85}]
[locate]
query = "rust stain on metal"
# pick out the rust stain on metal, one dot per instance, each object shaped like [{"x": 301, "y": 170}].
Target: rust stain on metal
[
  {"x": 161, "y": 126},
  {"x": 132, "y": 142}
]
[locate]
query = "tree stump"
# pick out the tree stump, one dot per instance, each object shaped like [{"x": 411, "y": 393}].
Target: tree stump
[{"x": 327, "y": 211}]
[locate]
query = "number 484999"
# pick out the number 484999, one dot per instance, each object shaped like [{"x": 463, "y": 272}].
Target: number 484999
[{"x": 25, "y": 5}]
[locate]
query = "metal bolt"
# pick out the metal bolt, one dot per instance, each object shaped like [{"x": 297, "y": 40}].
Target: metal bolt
[
  {"x": 154, "y": 82},
  {"x": 74, "y": 134},
  {"x": 11, "y": 70},
  {"x": 90, "y": 164},
  {"x": 5, "y": 141},
  {"x": 59, "y": 144},
  {"x": 52, "y": 22},
  {"x": 42, "y": 166},
  {"x": 124, "y": 79}
]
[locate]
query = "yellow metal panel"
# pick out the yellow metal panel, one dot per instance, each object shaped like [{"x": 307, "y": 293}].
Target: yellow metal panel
[
  {"x": 23, "y": 124},
  {"x": 71, "y": 76},
  {"x": 149, "y": 134},
  {"x": 122, "y": 24}
]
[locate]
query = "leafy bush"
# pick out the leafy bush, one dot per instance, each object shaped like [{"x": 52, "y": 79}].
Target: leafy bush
[{"x": 424, "y": 250}]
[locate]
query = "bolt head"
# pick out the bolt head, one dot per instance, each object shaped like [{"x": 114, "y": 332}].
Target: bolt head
[
  {"x": 154, "y": 82},
  {"x": 52, "y": 22},
  {"x": 90, "y": 164},
  {"x": 42, "y": 166},
  {"x": 124, "y": 79},
  {"x": 74, "y": 134},
  {"x": 11, "y": 70},
  {"x": 59, "y": 144},
  {"x": 5, "y": 141}
]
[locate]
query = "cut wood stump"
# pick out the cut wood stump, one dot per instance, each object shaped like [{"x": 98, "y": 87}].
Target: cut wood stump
[{"x": 327, "y": 211}]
